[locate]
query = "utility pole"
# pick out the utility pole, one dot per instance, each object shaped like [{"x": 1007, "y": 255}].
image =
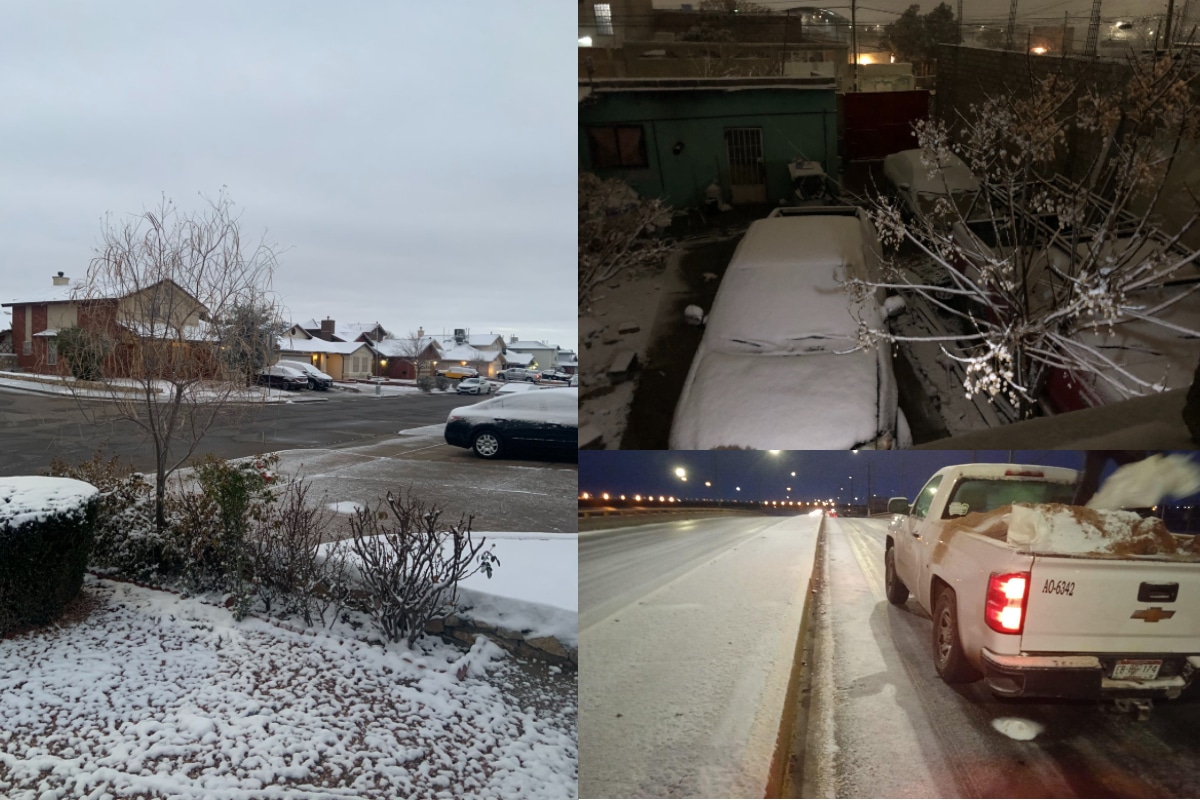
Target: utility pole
[
  {"x": 1167, "y": 34},
  {"x": 1010, "y": 41},
  {"x": 960, "y": 32},
  {"x": 854, "y": 39}
]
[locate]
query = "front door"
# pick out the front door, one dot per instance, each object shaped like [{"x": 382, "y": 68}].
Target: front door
[{"x": 747, "y": 174}]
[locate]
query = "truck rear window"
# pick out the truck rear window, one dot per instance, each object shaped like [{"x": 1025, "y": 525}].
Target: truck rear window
[{"x": 973, "y": 496}]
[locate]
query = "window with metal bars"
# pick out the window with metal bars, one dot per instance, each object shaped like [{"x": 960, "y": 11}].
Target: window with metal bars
[{"x": 604, "y": 22}]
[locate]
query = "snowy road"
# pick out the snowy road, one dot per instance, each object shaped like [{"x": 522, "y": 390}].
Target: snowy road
[
  {"x": 882, "y": 724},
  {"x": 688, "y": 632}
]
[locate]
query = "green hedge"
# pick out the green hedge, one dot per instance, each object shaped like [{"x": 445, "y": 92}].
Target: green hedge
[{"x": 43, "y": 550}]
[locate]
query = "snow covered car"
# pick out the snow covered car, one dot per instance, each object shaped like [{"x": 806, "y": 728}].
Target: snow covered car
[
  {"x": 544, "y": 420},
  {"x": 779, "y": 365},
  {"x": 281, "y": 377},
  {"x": 316, "y": 378},
  {"x": 474, "y": 386},
  {"x": 921, "y": 187}
]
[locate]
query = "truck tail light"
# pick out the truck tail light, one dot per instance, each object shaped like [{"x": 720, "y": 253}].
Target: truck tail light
[{"x": 1004, "y": 611}]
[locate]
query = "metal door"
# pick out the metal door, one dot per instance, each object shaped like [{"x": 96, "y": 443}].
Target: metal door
[{"x": 747, "y": 174}]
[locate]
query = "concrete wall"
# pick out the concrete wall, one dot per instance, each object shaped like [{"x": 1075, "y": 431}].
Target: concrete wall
[{"x": 793, "y": 121}]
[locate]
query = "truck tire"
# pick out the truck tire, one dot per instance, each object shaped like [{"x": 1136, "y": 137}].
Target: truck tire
[
  {"x": 948, "y": 657},
  {"x": 897, "y": 592}
]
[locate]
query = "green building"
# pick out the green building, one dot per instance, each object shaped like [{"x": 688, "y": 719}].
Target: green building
[{"x": 672, "y": 138}]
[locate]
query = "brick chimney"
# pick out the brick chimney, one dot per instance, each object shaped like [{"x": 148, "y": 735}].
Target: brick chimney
[
  {"x": 60, "y": 279},
  {"x": 327, "y": 328},
  {"x": 420, "y": 333}
]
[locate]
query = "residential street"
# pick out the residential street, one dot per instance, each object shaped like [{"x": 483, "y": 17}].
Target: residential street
[
  {"x": 882, "y": 724},
  {"x": 348, "y": 444}
]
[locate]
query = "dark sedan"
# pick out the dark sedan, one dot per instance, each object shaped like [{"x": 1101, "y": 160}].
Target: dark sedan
[
  {"x": 280, "y": 377},
  {"x": 542, "y": 419}
]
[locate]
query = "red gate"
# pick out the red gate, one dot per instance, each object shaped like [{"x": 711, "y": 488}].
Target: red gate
[{"x": 876, "y": 124}]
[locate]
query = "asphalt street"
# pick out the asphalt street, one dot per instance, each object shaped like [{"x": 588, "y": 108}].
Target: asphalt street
[
  {"x": 348, "y": 445},
  {"x": 883, "y": 724}
]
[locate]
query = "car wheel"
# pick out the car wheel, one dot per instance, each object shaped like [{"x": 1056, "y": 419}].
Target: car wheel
[
  {"x": 486, "y": 444},
  {"x": 897, "y": 592},
  {"x": 312, "y": 385},
  {"x": 948, "y": 657}
]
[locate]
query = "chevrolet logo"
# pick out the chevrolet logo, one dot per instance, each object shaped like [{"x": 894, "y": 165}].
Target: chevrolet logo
[{"x": 1152, "y": 614}]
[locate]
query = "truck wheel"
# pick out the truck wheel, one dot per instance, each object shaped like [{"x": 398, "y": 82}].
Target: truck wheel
[
  {"x": 948, "y": 656},
  {"x": 897, "y": 592}
]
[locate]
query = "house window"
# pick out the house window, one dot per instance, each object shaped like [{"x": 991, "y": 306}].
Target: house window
[
  {"x": 603, "y": 12},
  {"x": 27, "y": 349},
  {"x": 618, "y": 146},
  {"x": 52, "y": 353}
]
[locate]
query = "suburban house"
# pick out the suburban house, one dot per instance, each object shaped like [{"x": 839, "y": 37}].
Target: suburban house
[
  {"x": 344, "y": 361},
  {"x": 568, "y": 362},
  {"x": 544, "y": 356},
  {"x": 331, "y": 331},
  {"x": 395, "y": 357},
  {"x": 163, "y": 310}
]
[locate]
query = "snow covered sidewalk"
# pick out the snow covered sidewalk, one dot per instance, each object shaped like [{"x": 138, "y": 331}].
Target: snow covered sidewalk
[
  {"x": 154, "y": 695},
  {"x": 684, "y": 690}
]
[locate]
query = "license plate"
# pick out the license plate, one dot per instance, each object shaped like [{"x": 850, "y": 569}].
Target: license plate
[{"x": 1136, "y": 670}]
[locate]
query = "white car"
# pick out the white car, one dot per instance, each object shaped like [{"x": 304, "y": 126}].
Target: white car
[
  {"x": 921, "y": 188},
  {"x": 474, "y": 386},
  {"x": 779, "y": 365}
]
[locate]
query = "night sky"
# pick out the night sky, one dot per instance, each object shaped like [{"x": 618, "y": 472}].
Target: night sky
[{"x": 819, "y": 474}]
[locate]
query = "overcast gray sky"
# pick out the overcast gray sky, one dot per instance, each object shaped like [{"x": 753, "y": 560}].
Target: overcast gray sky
[{"x": 414, "y": 161}]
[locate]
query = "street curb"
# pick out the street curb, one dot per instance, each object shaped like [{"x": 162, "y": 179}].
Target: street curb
[{"x": 787, "y": 762}]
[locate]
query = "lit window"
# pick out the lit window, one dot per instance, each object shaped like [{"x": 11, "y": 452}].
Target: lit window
[{"x": 603, "y": 12}]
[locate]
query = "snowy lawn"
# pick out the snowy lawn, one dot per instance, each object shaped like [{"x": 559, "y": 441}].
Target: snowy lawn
[{"x": 144, "y": 693}]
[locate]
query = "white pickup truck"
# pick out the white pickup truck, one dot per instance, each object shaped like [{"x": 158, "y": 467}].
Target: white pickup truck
[{"x": 1046, "y": 600}]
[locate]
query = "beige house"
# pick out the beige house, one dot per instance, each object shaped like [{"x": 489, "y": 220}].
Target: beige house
[{"x": 344, "y": 361}]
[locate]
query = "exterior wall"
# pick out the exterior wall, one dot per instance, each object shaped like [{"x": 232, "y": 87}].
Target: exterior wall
[
  {"x": 62, "y": 315},
  {"x": 793, "y": 121},
  {"x": 175, "y": 305}
]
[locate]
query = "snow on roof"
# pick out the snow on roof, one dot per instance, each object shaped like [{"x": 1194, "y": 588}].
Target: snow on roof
[
  {"x": 518, "y": 359},
  {"x": 310, "y": 324},
  {"x": 530, "y": 345},
  {"x": 465, "y": 352},
  {"x": 49, "y": 332},
  {"x": 57, "y": 294},
  {"x": 810, "y": 402},
  {"x": 289, "y": 344},
  {"x": 29, "y": 498},
  {"x": 783, "y": 291}
]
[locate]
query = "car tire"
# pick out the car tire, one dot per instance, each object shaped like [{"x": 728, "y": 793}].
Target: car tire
[
  {"x": 948, "y": 656},
  {"x": 312, "y": 385},
  {"x": 897, "y": 592},
  {"x": 487, "y": 444}
]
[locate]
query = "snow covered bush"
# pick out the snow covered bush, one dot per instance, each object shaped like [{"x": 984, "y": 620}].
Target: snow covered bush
[
  {"x": 411, "y": 565},
  {"x": 291, "y": 574},
  {"x": 619, "y": 233},
  {"x": 46, "y": 529},
  {"x": 1062, "y": 244},
  {"x": 126, "y": 541}
]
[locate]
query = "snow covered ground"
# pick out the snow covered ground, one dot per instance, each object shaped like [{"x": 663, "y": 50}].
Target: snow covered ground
[
  {"x": 144, "y": 693},
  {"x": 56, "y": 384}
]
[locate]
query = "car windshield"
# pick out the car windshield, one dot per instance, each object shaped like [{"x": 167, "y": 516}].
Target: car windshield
[{"x": 975, "y": 496}]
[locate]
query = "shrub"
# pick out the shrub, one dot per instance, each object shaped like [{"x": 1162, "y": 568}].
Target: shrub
[
  {"x": 84, "y": 351},
  {"x": 44, "y": 546},
  {"x": 292, "y": 576},
  {"x": 426, "y": 383},
  {"x": 411, "y": 568},
  {"x": 126, "y": 542}
]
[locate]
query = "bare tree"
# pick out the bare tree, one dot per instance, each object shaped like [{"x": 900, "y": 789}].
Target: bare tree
[
  {"x": 1059, "y": 248},
  {"x": 619, "y": 234},
  {"x": 163, "y": 291}
]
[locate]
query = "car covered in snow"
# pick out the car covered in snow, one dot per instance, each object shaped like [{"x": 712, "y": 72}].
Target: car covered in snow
[
  {"x": 932, "y": 191},
  {"x": 779, "y": 365},
  {"x": 316, "y": 378},
  {"x": 282, "y": 377},
  {"x": 544, "y": 420}
]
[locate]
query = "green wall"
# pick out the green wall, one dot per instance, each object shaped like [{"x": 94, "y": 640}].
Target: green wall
[{"x": 793, "y": 121}]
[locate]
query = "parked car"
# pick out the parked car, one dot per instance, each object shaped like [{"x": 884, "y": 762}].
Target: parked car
[
  {"x": 458, "y": 373},
  {"x": 555, "y": 375},
  {"x": 921, "y": 188},
  {"x": 546, "y": 420},
  {"x": 778, "y": 365},
  {"x": 316, "y": 378},
  {"x": 474, "y": 386},
  {"x": 281, "y": 377},
  {"x": 1040, "y": 598},
  {"x": 519, "y": 374},
  {"x": 517, "y": 388},
  {"x": 574, "y": 380}
]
